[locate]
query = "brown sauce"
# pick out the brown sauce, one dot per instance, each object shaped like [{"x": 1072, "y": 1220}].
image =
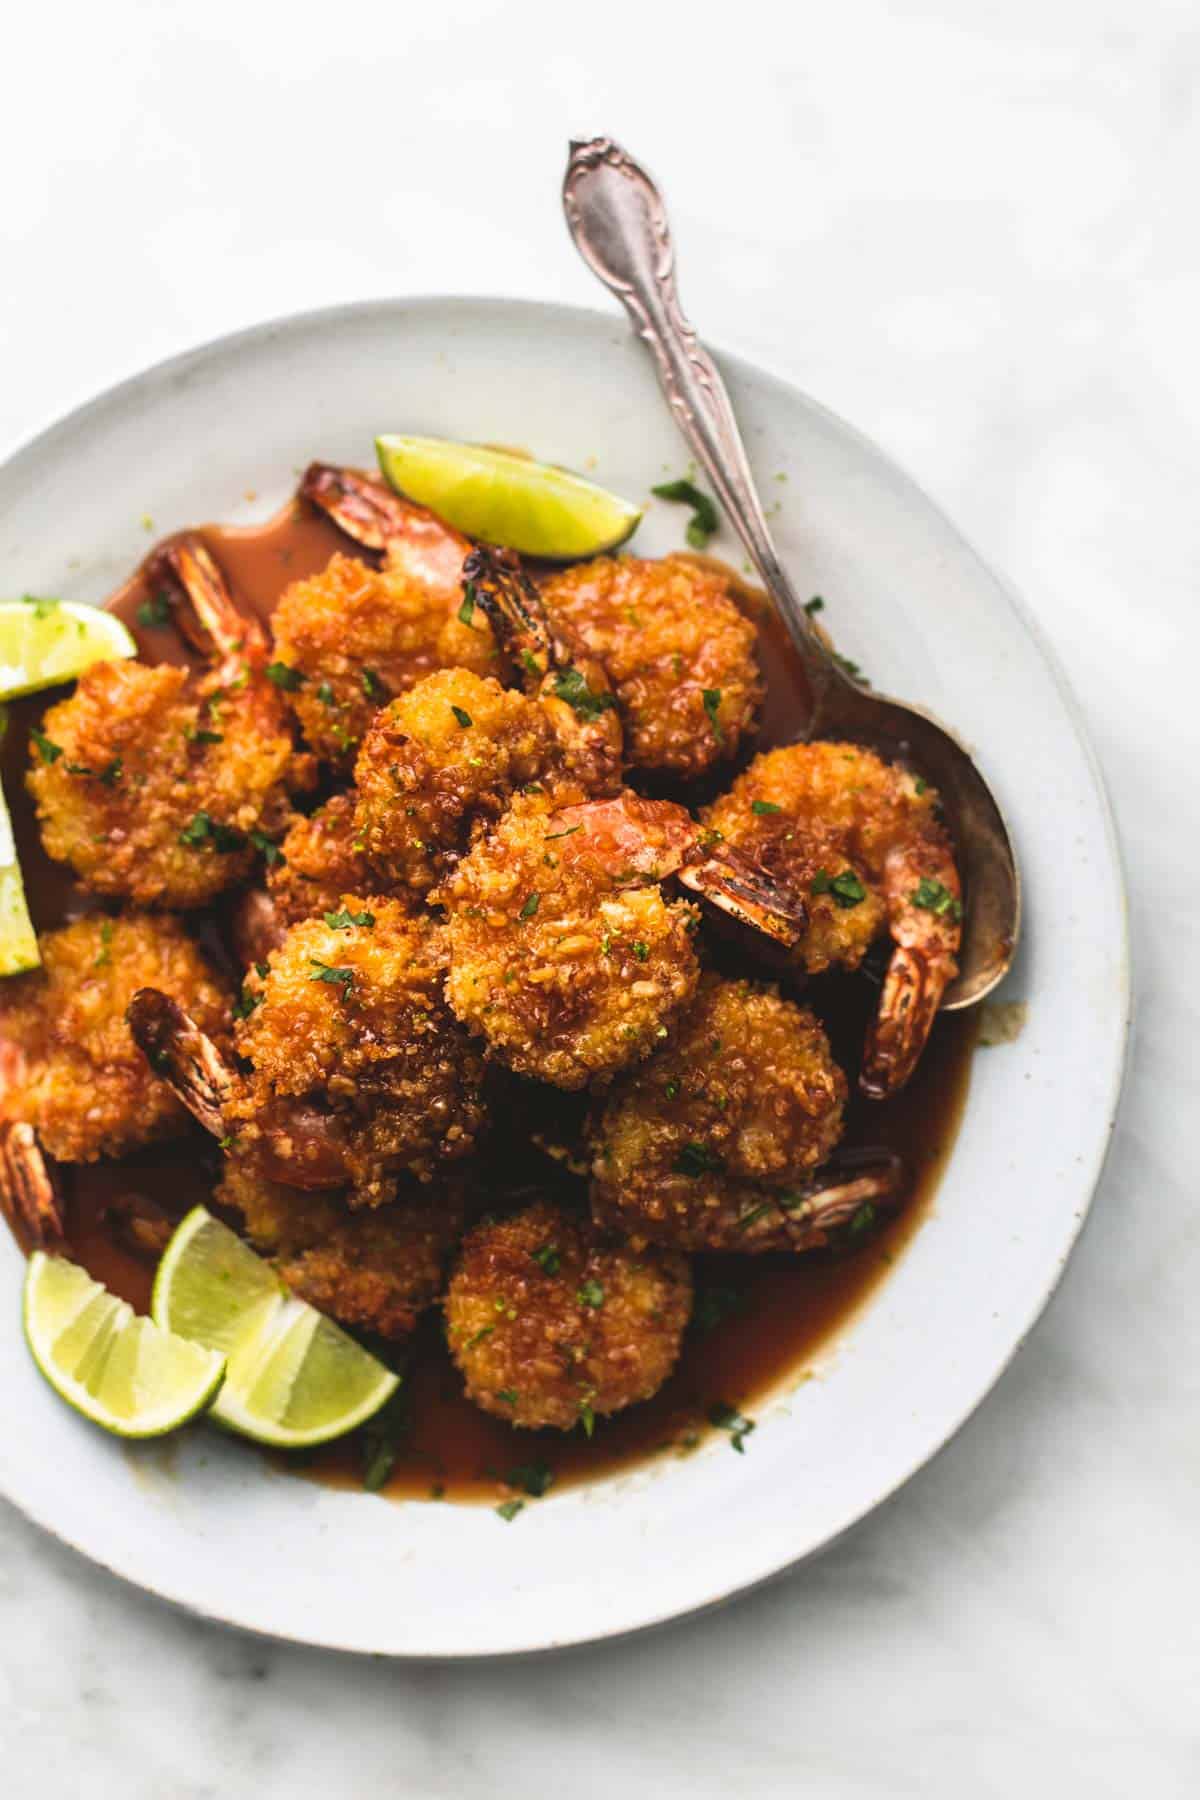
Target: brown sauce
[{"x": 776, "y": 1314}]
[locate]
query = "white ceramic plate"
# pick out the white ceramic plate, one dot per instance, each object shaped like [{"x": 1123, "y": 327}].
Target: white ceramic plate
[{"x": 207, "y": 1525}]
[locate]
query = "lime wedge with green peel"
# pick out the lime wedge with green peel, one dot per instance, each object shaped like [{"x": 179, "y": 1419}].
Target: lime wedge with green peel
[
  {"x": 506, "y": 499},
  {"x": 115, "y": 1368},
  {"x": 18, "y": 942},
  {"x": 294, "y": 1378},
  {"x": 43, "y": 642}
]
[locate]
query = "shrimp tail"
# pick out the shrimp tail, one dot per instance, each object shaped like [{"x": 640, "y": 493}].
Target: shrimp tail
[
  {"x": 744, "y": 891},
  {"x": 835, "y": 1199},
  {"x": 30, "y": 1193},
  {"x": 177, "y": 1050},
  {"x": 908, "y": 1003},
  {"x": 364, "y": 509},
  {"x": 209, "y": 618}
]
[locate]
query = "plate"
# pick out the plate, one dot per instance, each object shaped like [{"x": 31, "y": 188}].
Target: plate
[{"x": 222, "y": 433}]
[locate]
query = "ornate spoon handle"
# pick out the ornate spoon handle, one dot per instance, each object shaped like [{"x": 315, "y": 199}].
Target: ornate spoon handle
[{"x": 616, "y": 216}]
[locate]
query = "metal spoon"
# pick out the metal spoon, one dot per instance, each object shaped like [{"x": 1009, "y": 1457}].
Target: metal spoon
[{"x": 616, "y": 216}]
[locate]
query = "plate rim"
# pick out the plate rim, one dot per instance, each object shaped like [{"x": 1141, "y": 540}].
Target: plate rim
[{"x": 753, "y": 364}]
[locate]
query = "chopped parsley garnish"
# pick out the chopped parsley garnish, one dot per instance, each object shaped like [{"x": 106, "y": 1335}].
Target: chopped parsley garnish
[
  {"x": 587, "y": 1417},
  {"x": 850, "y": 667},
  {"x": 335, "y": 977},
  {"x": 641, "y": 951},
  {"x": 591, "y": 1294},
  {"x": 547, "y": 1258},
  {"x": 921, "y": 784},
  {"x": 814, "y": 606},
  {"x": 325, "y": 695},
  {"x": 202, "y": 829},
  {"x": 509, "y": 1396},
  {"x": 530, "y": 906},
  {"x": 464, "y": 718},
  {"x": 552, "y": 837},
  {"x": 716, "y": 1304},
  {"x": 246, "y": 1003},
  {"x": 46, "y": 748},
  {"x": 846, "y": 889},
  {"x": 933, "y": 897},
  {"x": 382, "y": 1439},
  {"x": 695, "y": 1159},
  {"x": 285, "y": 677},
  {"x": 344, "y": 919},
  {"x": 712, "y": 700},
  {"x": 508, "y": 1510},
  {"x": 764, "y": 808},
  {"x": 755, "y": 1213},
  {"x": 534, "y": 1478},
  {"x": 705, "y": 518},
  {"x": 204, "y": 737},
  {"x": 862, "y": 1221},
  {"x": 530, "y": 663},
  {"x": 372, "y": 687},
  {"x": 156, "y": 610},
  {"x": 466, "y": 611},
  {"x": 271, "y": 852},
  {"x": 569, "y": 685},
  {"x": 672, "y": 1090},
  {"x": 728, "y": 1418},
  {"x": 485, "y": 1331},
  {"x": 106, "y": 937}
]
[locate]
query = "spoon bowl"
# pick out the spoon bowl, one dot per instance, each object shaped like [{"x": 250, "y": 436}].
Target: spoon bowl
[{"x": 616, "y": 216}]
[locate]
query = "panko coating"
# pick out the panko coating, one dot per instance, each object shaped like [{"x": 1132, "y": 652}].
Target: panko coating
[
  {"x": 154, "y": 785},
  {"x": 320, "y": 860},
  {"x": 863, "y": 842},
  {"x": 439, "y": 760},
  {"x": 68, "y": 1063},
  {"x": 357, "y": 1070},
  {"x": 374, "y": 1271},
  {"x": 680, "y": 655},
  {"x": 569, "y": 963},
  {"x": 354, "y": 637},
  {"x": 706, "y": 1145},
  {"x": 552, "y": 1324}
]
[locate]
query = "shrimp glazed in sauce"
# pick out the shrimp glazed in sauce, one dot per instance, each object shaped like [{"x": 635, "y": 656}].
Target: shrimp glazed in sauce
[{"x": 550, "y": 1088}]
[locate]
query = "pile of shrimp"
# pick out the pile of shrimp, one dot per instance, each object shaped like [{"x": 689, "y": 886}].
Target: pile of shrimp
[{"x": 432, "y": 853}]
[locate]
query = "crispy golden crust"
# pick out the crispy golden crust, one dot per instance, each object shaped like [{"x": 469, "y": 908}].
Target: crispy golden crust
[
  {"x": 321, "y": 860},
  {"x": 440, "y": 759},
  {"x": 549, "y": 1323},
  {"x": 839, "y": 808},
  {"x": 566, "y": 969},
  {"x": 68, "y": 1063},
  {"x": 376, "y": 1271},
  {"x": 133, "y": 766},
  {"x": 666, "y": 632},
  {"x": 358, "y": 636},
  {"x": 352, "y": 1050},
  {"x": 699, "y": 1147}
]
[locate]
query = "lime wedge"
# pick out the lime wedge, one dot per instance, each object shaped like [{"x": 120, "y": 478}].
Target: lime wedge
[
  {"x": 294, "y": 1378},
  {"x": 505, "y": 499},
  {"x": 113, "y": 1367},
  {"x": 18, "y": 942},
  {"x": 43, "y": 642}
]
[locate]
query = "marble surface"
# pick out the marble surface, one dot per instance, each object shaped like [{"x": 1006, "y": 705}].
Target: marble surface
[{"x": 971, "y": 230}]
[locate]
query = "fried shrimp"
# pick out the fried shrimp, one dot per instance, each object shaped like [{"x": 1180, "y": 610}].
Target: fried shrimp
[
  {"x": 565, "y": 961},
  {"x": 680, "y": 656},
  {"x": 354, "y": 636},
  {"x": 319, "y": 860},
  {"x": 552, "y": 1324},
  {"x": 158, "y": 786},
  {"x": 375, "y": 1271},
  {"x": 356, "y": 1075},
  {"x": 713, "y": 1143},
  {"x": 68, "y": 1064},
  {"x": 862, "y": 840}
]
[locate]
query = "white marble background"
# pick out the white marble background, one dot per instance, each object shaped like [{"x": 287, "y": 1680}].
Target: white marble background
[{"x": 970, "y": 226}]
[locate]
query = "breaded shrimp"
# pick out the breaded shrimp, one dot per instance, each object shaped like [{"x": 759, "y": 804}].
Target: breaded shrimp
[
  {"x": 68, "y": 1064},
  {"x": 354, "y": 636},
  {"x": 680, "y": 656},
  {"x": 713, "y": 1143},
  {"x": 862, "y": 840},
  {"x": 565, "y": 961},
  {"x": 356, "y": 1073},
  {"x": 158, "y": 786},
  {"x": 375, "y": 1271},
  {"x": 552, "y": 1324},
  {"x": 321, "y": 858}
]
